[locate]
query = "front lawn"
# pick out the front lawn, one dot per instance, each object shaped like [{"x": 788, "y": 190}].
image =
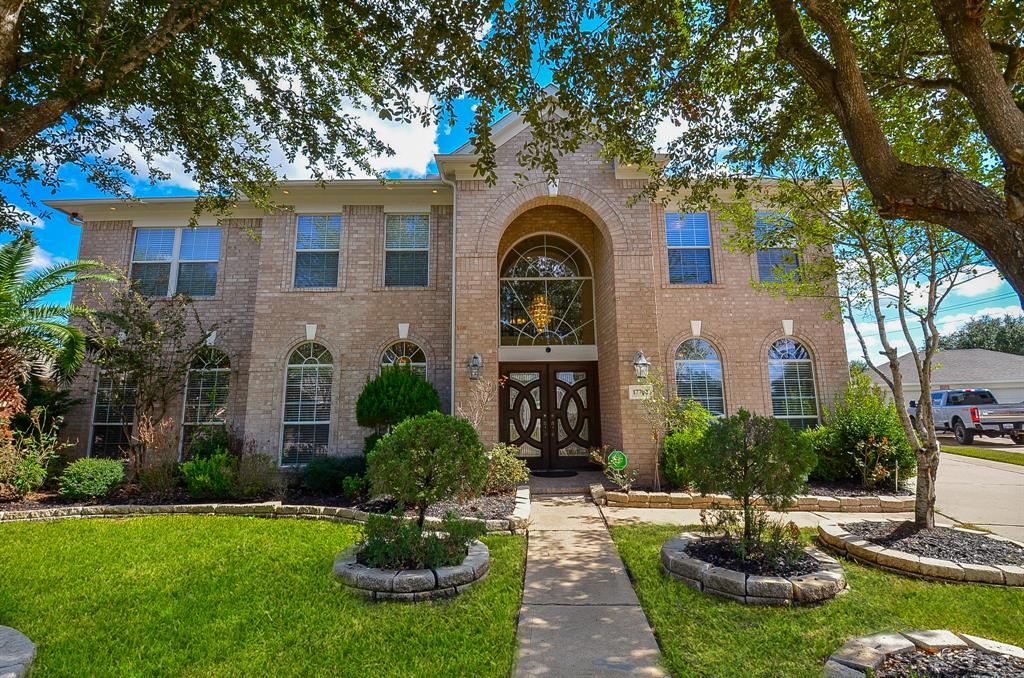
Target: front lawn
[
  {"x": 1005, "y": 456},
  {"x": 702, "y": 635},
  {"x": 220, "y": 596}
]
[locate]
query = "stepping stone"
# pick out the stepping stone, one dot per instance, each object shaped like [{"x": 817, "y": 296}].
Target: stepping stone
[
  {"x": 857, "y": 655},
  {"x": 993, "y": 646},
  {"x": 934, "y": 641},
  {"x": 17, "y": 653}
]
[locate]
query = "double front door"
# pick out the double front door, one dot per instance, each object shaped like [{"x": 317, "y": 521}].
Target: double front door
[{"x": 549, "y": 411}]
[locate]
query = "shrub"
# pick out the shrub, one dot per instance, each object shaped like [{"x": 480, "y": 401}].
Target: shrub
[
  {"x": 91, "y": 478},
  {"x": 209, "y": 477},
  {"x": 428, "y": 458},
  {"x": 621, "y": 478},
  {"x": 756, "y": 460},
  {"x": 26, "y": 453},
  {"x": 505, "y": 471},
  {"x": 208, "y": 441},
  {"x": 256, "y": 475},
  {"x": 326, "y": 474},
  {"x": 862, "y": 418},
  {"x": 693, "y": 422},
  {"x": 397, "y": 393},
  {"x": 392, "y": 543},
  {"x": 353, "y": 487}
]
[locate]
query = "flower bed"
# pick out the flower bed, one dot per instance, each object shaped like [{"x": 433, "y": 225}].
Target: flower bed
[
  {"x": 963, "y": 569},
  {"x": 806, "y": 589},
  {"x": 682, "y": 500},
  {"x": 924, "y": 653},
  {"x": 17, "y": 653},
  {"x": 412, "y": 585}
]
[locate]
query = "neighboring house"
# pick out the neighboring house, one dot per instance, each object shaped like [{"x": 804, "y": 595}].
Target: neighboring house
[
  {"x": 1001, "y": 373},
  {"x": 553, "y": 287}
]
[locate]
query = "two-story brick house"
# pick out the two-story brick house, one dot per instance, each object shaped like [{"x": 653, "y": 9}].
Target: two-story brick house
[{"x": 554, "y": 287}]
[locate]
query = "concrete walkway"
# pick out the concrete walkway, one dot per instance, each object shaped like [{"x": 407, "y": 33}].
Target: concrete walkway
[{"x": 580, "y": 615}]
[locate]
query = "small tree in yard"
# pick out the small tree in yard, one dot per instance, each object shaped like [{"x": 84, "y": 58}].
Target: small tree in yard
[
  {"x": 754, "y": 459},
  {"x": 146, "y": 345},
  {"x": 394, "y": 395},
  {"x": 426, "y": 459}
]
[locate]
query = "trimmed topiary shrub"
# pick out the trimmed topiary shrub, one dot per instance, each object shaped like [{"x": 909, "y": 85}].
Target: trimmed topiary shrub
[
  {"x": 505, "y": 471},
  {"x": 428, "y": 458},
  {"x": 397, "y": 393},
  {"x": 862, "y": 440},
  {"x": 327, "y": 474},
  {"x": 680, "y": 444},
  {"x": 91, "y": 478}
]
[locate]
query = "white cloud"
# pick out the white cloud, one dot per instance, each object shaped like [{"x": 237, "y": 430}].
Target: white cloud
[
  {"x": 42, "y": 259},
  {"x": 28, "y": 220},
  {"x": 984, "y": 281}
]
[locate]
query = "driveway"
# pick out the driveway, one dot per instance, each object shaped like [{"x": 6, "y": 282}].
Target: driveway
[
  {"x": 990, "y": 443},
  {"x": 986, "y": 493}
]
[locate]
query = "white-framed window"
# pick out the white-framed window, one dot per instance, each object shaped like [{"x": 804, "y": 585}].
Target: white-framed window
[
  {"x": 405, "y": 354},
  {"x": 113, "y": 415},
  {"x": 699, "y": 375},
  {"x": 317, "y": 250},
  {"x": 406, "y": 250},
  {"x": 791, "y": 375},
  {"x": 307, "y": 403},
  {"x": 206, "y": 393},
  {"x": 773, "y": 262},
  {"x": 168, "y": 261},
  {"x": 688, "y": 238}
]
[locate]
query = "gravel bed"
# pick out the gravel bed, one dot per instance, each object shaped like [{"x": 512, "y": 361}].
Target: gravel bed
[
  {"x": 851, "y": 490},
  {"x": 939, "y": 542},
  {"x": 719, "y": 554},
  {"x": 951, "y": 663},
  {"x": 486, "y": 507}
]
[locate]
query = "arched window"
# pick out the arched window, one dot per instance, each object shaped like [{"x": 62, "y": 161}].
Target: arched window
[
  {"x": 405, "y": 354},
  {"x": 547, "y": 294},
  {"x": 307, "y": 403},
  {"x": 206, "y": 392},
  {"x": 699, "y": 375},
  {"x": 792, "y": 382}
]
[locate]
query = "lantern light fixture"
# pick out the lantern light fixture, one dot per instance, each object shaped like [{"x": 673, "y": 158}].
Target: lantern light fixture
[
  {"x": 641, "y": 365},
  {"x": 475, "y": 366}
]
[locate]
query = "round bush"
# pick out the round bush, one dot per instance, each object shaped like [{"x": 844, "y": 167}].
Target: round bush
[
  {"x": 680, "y": 444},
  {"x": 91, "y": 478},
  {"x": 397, "y": 393},
  {"x": 426, "y": 459},
  {"x": 326, "y": 475},
  {"x": 505, "y": 471}
]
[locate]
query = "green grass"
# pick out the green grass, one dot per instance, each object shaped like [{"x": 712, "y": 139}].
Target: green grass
[
  {"x": 701, "y": 635},
  {"x": 1005, "y": 456},
  {"x": 212, "y": 596}
]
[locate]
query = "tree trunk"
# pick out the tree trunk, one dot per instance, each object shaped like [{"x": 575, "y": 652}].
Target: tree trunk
[{"x": 927, "y": 466}]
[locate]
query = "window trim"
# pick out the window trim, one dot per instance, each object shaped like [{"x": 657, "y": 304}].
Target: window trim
[
  {"x": 814, "y": 379},
  {"x": 176, "y": 261},
  {"x": 710, "y": 247},
  {"x": 284, "y": 400},
  {"x": 338, "y": 250},
  {"x": 427, "y": 249}
]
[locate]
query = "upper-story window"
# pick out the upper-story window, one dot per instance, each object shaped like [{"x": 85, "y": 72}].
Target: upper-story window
[
  {"x": 688, "y": 238},
  {"x": 773, "y": 262},
  {"x": 406, "y": 250},
  {"x": 317, "y": 250},
  {"x": 168, "y": 261}
]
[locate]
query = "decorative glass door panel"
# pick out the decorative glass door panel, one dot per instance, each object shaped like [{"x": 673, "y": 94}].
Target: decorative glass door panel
[{"x": 549, "y": 411}]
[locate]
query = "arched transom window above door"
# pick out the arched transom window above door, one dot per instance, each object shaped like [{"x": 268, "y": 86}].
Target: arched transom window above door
[
  {"x": 547, "y": 294},
  {"x": 405, "y": 354}
]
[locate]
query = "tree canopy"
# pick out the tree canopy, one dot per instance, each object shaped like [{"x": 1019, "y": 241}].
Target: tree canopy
[{"x": 1005, "y": 335}]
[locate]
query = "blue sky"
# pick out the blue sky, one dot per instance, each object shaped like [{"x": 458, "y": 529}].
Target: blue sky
[{"x": 414, "y": 147}]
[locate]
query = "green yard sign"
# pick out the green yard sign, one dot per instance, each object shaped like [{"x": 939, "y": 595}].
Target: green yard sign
[{"x": 617, "y": 460}]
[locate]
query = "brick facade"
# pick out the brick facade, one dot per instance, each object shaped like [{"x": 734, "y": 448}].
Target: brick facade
[{"x": 261, "y": 317}]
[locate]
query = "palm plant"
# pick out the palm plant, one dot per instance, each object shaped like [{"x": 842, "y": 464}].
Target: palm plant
[{"x": 34, "y": 333}]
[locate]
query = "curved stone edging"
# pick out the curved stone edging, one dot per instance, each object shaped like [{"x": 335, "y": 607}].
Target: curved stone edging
[
  {"x": 807, "y": 589},
  {"x": 517, "y": 523},
  {"x": 838, "y": 539},
  {"x": 17, "y": 653},
  {"x": 864, "y": 655},
  {"x": 681, "y": 500},
  {"x": 413, "y": 585}
]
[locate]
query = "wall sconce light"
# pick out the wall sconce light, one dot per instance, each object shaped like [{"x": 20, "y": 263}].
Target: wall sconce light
[
  {"x": 641, "y": 365},
  {"x": 475, "y": 366}
]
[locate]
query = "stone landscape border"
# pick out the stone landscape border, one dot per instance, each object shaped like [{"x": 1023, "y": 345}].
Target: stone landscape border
[
  {"x": 683, "y": 500},
  {"x": 863, "y": 656},
  {"x": 412, "y": 585},
  {"x": 858, "y": 548},
  {"x": 517, "y": 523},
  {"x": 806, "y": 589},
  {"x": 17, "y": 653}
]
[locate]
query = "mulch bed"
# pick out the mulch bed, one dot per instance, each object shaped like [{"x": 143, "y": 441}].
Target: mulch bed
[
  {"x": 939, "y": 542},
  {"x": 720, "y": 554},
  {"x": 852, "y": 490},
  {"x": 486, "y": 507},
  {"x": 951, "y": 663}
]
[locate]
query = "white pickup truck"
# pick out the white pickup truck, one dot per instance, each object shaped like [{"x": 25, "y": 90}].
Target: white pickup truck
[{"x": 969, "y": 412}]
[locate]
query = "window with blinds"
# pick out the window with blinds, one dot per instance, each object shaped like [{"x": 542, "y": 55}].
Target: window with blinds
[
  {"x": 688, "y": 238},
  {"x": 112, "y": 417},
  {"x": 307, "y": 404},
  {"x": 176, "y": 260},
  {"x": 773, "y": 263},
  {"x": 317, "y": 250},
  {"x": 791, "y": 376},
  {"x": 699, "y": 375},
  {"x": 406, "y": 250},
  {"x": 206, "y": 393}
]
